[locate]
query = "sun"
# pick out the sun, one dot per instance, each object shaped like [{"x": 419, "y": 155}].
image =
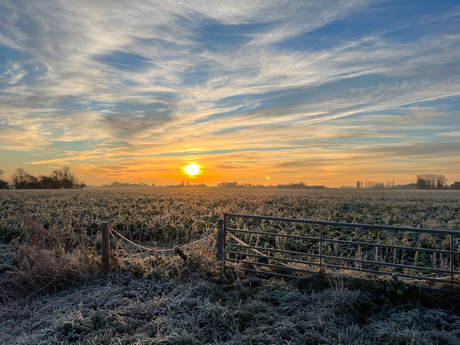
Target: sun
[{"x": 192, "y": 169}]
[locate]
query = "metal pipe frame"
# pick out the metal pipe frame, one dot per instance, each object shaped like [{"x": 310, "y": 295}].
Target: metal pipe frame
[
  {"x": 339, "y": 267},
  {"x": 275, "y": 259},
  {"x": 268, "y": 265},
  {"x": 391, "y": 246},
  {"x": 270, "y": 273},
  {"x": 300, "y": 277},
  {"x": 273, "y": 234},
  {"x": 364, "y": 226},
  {"x": 334, "y": 258},
  {"x": 434, "y": 270},
  {"x": 273, "y": 250},
  {"x": 345, "y": 242},
  {"x": 390, "y": 273},
  {"x": 321, "y": 256}
]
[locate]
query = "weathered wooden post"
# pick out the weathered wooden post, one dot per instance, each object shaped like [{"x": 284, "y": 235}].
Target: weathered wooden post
[
  {"x": 451, "y": 262},
  {"x": 179, "y": 252},
  {"x": 220, "y": 239},
  {"x": 105, "y": 246},
  {"x": 225, "y": 231},
  {"x": 321, "y": 248}
]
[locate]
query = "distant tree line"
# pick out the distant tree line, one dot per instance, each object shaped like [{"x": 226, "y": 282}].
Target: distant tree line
[
  {"x": 3, "y": 183},
  {"x": 235, "y": 184},
  {"x": 423, "y": 181},
  {"x": 431, "y": 181},
  {"x": 299, "y": 185},
  {"x": 116, "y": 184},
  {"x": 59, "y": 179},
  {"x": 375, "y": 184},
  {"x": 435, "y": 181},
  {"x": 187, "y": 185}
]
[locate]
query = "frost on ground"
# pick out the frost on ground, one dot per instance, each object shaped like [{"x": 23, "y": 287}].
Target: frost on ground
[
  {"x": 53, "y": 292},
  {"x": 195, "y": 308}
]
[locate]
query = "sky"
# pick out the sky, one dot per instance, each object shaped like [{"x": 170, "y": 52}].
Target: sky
[{"x": 323, "y": 92}]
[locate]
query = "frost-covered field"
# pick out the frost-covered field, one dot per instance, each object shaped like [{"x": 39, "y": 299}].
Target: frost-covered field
[
  {"x": 168, "y": 215},
  {"x": 162, "y": 299}
]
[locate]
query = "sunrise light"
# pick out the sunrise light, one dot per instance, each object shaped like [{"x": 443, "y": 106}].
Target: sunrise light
[
  {"x": 312, "y": 92},
  {"x": 192, "y": 169}
]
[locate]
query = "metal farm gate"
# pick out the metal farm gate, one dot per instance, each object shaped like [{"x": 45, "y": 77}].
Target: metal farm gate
[{"x": 372, "y": 249}]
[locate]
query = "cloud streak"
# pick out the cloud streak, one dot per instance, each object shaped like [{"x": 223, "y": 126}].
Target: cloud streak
[{"x": 178, "y": 78}]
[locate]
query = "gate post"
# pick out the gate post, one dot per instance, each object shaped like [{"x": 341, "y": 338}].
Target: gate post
[
  {"x": 321, "y": 248},
  {"x": 451, "y": 262},
  {"x": 220, "y": 239},
  {"x": 224, "y": 227}
]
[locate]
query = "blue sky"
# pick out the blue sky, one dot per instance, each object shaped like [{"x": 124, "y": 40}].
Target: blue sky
[{"x": 322, "y": 92}]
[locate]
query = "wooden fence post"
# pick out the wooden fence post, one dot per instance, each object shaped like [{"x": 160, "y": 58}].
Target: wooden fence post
[
  {"x": 321, "y": 249},
  {"x": 105, "y": 246},
  {"x": 224, "y": 227},
  {"x": 220, "y": 239},
  {"x": 179, "y": 252}
]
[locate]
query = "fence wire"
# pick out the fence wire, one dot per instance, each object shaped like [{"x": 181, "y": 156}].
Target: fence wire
[{"x": 149, "y": 249}]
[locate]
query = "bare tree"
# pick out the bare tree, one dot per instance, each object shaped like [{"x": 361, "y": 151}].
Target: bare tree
[
  {"x": 3, "y": 183},
  {"x": 431, "y": 181},
  {"x": 19, "y": 178},
  {"x": 63, "y": 178},
  {"x": 68, "y": 179},
  {"x": 440, "y": 181}
]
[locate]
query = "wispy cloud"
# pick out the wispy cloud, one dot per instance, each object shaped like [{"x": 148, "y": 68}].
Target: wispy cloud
[
  {"x": 453, "y": 134},
  {"x": 157, "y": 78}
]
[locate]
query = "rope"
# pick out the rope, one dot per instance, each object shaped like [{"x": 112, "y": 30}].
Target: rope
[
  {"x": 142, "y": 247},
  {"x": 193, "y": 243},
  {"x": 161, "y": 250},
  {"x": 118, "y": 241},
  {"x": 157, "y": 250},
  {"x": 97, "y": 239}
]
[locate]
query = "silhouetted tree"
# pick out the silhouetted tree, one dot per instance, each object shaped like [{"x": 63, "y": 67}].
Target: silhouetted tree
[
  {"x": 68, "y": 180},
  {"x": 3, "y": 183},
  {"x": 455, "y": 185},
  {"x": 431, "y": 181},
  {"x": 19, "y": 178},
  {"x": 422, "y": 184},
  {"x": 23, "y": 180},
  {"x": 46, "y": 182},
  {"x": 32, "y": 182},
  {"x": 440, "y": 181},
  {"x": 62, "y": 178}
]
